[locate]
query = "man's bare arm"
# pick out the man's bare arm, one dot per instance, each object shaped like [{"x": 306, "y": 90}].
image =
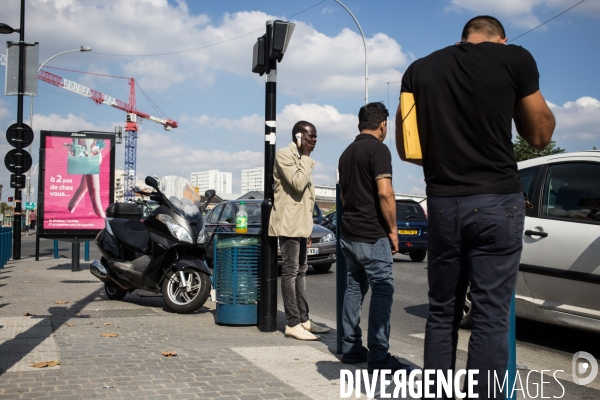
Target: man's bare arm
[
  {"x": 387, "y": 201},
  {"x": 400, "y": 140},
  {"x": 534, "y": 120}
]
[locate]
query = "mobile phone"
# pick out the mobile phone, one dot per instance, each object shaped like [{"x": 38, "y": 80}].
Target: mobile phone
[{"x": 299, "y": 139}]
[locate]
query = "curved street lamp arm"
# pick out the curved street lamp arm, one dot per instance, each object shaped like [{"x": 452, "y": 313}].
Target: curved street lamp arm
[{"x": 365, "y": 45}]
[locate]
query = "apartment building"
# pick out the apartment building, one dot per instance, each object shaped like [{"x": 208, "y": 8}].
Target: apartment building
[
  {"x": 253, "y": 180},
  {"x": 221, "y": 182}
]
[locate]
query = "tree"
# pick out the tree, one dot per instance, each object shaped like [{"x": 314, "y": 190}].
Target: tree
[
  {"x": 5, "y": 208},
  {"x": 523, "y": 151}
]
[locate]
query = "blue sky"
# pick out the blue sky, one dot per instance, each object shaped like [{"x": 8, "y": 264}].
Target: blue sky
[{"x": 219, "y": 103}]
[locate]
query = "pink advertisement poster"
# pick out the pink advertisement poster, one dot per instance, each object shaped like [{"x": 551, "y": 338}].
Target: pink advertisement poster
[{"x": 76, "y": 182}]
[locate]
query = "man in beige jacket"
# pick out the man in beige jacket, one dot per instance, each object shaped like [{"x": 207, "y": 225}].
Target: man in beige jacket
[{"x": 291, "y": 221}]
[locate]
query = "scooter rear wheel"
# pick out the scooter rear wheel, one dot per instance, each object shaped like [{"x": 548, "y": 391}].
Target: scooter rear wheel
[
  {"x": 114, "y": 292},
  {"x": 185, "y": 299}
]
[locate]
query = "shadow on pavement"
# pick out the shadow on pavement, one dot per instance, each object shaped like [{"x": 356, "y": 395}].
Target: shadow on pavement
[
  {"x": 420, "y": 310},
  {"x": 19, "y": 348}
]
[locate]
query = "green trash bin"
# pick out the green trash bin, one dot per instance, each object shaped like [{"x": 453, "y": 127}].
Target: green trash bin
[{"x": 236, "y": 278}]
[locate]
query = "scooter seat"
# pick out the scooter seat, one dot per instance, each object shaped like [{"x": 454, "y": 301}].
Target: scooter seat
[
  {"x": 131, "y": 233},
  {"x": 138, "y": 265}
]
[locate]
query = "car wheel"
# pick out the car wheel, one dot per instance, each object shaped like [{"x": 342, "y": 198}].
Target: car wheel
[
  {"x": 467, "y": 317},
  {"x": 418, "y": 255},
  {"x": 322, "y": 268}
]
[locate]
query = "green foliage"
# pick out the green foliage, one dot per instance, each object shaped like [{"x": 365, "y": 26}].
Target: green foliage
[
  {"x": 5, "y": 208},
  {"x": 523, "y": 151}
]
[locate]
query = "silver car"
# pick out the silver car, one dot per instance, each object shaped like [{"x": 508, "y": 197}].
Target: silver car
[{"x": 559, "y": 273}]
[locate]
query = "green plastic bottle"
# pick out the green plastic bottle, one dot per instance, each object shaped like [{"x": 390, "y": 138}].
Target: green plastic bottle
[{"x": 241, "y": 219}]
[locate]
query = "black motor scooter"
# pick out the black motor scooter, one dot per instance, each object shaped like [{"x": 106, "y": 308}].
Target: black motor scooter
[{"x": 164, "y": 254}]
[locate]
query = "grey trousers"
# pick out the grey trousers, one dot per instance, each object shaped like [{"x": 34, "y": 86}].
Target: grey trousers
[{"x": 293, "y": 273}]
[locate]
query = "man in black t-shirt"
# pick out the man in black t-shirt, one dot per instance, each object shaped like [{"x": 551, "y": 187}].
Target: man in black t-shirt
[
  {"x": 369, "y": 238},
  {"x": 465, "y": 97}
]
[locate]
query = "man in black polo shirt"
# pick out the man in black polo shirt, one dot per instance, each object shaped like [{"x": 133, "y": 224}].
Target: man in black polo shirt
[
  {"x": 369, "y": 238},
  {"x": 466, "y": 96}
]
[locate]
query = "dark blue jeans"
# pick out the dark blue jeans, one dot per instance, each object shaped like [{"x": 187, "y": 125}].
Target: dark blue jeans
[
  {"x": 478, "y": 240},
  {"x": 369, "y": 265}
]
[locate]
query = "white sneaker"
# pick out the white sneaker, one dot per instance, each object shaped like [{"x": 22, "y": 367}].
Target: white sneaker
[{"x": 298, "y": 332}]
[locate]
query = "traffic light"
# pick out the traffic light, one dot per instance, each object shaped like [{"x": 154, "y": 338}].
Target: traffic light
[
  {"x": 282, "y": 33},
  {"x": 272, "y": 47}
]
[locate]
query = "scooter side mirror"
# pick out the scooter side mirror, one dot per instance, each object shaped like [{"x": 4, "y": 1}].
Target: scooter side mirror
[
  {"x": 136, "y": 189},
  {"x": 153, "y": 183},
  {"x": 209, "y": 196}
]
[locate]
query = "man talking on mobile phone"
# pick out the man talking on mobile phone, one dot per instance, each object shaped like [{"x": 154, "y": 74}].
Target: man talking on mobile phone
[
  {"x": 291, "y": 221},
  {"x": 369, "y": 239}
]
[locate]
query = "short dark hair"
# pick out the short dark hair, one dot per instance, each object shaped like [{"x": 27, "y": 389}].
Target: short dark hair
[
  {"x": 371, "y": 115},
  {"x": 485, "y": 24},
  {"x": 302, "y": 127}
]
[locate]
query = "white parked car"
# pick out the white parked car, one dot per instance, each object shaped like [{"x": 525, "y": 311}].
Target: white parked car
[{"x": 559, "y": 274}]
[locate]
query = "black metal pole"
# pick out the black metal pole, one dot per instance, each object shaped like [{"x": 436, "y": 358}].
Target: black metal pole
[
  {"x": 19, "y": 165},
  {"x": 75, "y": 255},
  {"x": 268, "y": 273}
]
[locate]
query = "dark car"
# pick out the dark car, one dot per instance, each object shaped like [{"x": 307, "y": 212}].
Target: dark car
[
  {"x": 321, "y": 255},
  {"x": 412, "y": 229},
  {"x": 330, "y": 222}
]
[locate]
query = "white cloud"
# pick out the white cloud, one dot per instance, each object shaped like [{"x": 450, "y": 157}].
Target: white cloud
[
  {"x": 4, "y": 112},
  {"x": 522, "y": 13},
  {"x": 55, "y": 122},
  {"x": 330, "y": 123},
  {"x": 160, "y": 26},
  {"x": 578, "y": 121},
  {"x": 417, "y": 190}
]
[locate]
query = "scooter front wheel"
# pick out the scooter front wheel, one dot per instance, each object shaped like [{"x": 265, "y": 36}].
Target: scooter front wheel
[{"x": 185, "y": 291}]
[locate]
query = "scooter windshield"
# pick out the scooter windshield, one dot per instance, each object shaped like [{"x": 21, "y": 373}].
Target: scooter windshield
[{"x": 182, "y": 196}]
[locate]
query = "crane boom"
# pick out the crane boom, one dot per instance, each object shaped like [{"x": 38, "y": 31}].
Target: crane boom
[
  {"x": 98, "y": 97},
  {"x": 131, "y": 125}
]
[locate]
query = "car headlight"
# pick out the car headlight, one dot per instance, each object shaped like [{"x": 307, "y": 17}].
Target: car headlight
[
  {"x": 176, "y": 230},
  {"x": 328, "y": 238}
]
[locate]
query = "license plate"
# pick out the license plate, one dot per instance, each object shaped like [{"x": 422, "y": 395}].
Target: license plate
[
  {"x": 407, "y": 232},
  {"x": 313, "y": 251}
]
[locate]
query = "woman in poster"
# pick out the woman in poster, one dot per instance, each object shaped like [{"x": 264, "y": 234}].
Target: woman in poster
[{"x": 91, "y": 149}]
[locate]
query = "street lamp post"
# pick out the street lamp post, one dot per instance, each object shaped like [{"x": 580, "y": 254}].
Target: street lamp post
[
  {"x": 365, "y": 45},
  {"x": 19, "y": 137},
  {"x": 28, "y": 179}
]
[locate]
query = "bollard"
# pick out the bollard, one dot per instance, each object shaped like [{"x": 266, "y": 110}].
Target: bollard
[
  {"x": 75, "y": 255},
  {"x": 341, "y": 270},
  {"x": 511, "y": 368},
  {"x": 2, "y": 247},
  {"x": 9, "y": 250},
  {"x": 86, "y": 251},
  {"x": 56, "y": 249}
]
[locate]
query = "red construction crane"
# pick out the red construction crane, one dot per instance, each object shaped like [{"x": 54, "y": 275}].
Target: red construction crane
[{"x": 131, "y": 124}]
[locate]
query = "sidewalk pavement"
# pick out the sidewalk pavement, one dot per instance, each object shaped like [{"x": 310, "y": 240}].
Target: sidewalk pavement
[{"x": 48, "y": 313}]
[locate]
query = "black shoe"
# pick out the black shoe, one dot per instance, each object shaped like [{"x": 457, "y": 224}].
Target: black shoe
[
  {"x": 353, "y": 358},
  {"x": 389, "y": 362}
]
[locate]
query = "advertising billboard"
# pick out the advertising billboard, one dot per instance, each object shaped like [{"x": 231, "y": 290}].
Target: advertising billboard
[{"x": 76, "y": 182}]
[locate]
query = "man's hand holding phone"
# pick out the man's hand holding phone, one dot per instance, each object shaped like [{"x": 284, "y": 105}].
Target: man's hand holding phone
[{"x": 304, "y": 146}]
